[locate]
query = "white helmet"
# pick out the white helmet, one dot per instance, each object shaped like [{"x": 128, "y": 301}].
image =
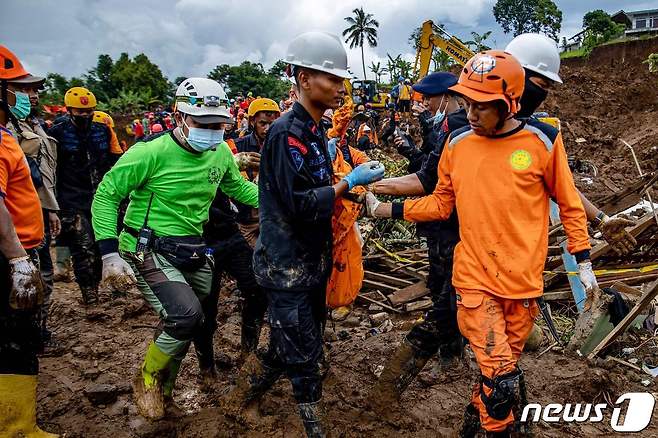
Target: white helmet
[
  {"x": 321, "y": 51},
  {"x": 537, "y": 53},
  {"x": 204, "y": 100}
]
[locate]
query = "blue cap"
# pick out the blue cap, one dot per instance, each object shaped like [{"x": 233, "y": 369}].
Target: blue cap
[
  {"x": 435, "y": 83},
  {"x": 401, "y": 78}
]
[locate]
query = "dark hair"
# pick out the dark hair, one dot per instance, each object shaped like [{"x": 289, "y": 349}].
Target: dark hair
[{"x": 503, "y": 112}]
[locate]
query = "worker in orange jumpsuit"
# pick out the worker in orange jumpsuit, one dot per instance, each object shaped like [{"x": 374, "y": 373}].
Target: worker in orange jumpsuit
[
  {"x": 105, "y": 118},
  {"x": 499, "y": 172},
  {"x": 347, "y": 273}
]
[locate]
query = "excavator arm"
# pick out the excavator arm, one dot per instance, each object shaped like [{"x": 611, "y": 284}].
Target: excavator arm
[{"x": 429, "y": 39}]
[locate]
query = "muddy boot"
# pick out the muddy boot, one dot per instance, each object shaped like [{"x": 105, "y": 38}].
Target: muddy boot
[
  {"x": 207, "y": 379},
  {"x": 89, "y": 295},
  {"x": 249, "y": 336},
  {"x": 172, "y": 410},
  {"x": 471, "y": 425},
  {"x": 312, "y": 419},
  {"x": 18, "y": 416},
  {"x": 148, "y": 384},
  {"x": 401, "y": 369},
  {"x": 254, "y": 379}
]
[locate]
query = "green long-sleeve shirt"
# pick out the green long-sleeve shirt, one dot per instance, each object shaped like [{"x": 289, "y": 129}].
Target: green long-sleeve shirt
[{"x": 183, "y": 185}]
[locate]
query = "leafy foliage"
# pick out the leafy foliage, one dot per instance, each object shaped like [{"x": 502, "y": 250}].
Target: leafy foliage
[
  {"x": 477, "y": 43},
  {"x": 520, "y": 16},
  {"x": 250, "y": 76},
  {"x": 652, "y": 60},
  {"x": 377, "y": 70},
  {"x": 414, "y": 38},
  {"x": 362, "y": 29},
  {"x": 599, "y": 29}
]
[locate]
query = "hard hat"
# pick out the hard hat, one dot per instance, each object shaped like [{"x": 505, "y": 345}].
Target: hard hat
[
  {"x": 407, "y": 81},
  {"x": 10, "y": 66},
  {"x": 435, "y": 83},
  {"x": 262, "y": 104},
  {"x": 366, "y": 128},
  {"x": 156, "y": 127},
  {"x": 537, "y": 53},
  {"x": 204, "y": 100},
  {"x": 321, "y": 51},
  {"x": 79, "y": 97},
  {"x": 492, "y": 75},
  {"x": 250, "y": 94},
  {"x": 103, "y": 117},
  {"x": 401, "y": 79}
]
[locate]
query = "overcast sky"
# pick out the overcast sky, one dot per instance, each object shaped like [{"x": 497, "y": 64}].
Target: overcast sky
[{"x": 190, "y": 37}]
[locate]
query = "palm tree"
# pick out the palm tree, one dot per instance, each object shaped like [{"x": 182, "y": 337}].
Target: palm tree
[
  {"x": 377, "y": 70},
  {"x": 392, "y": 67},
  {"x": 477, "y": 43},
  {"x": 442, "y": 61},
  {"x": 363, "y": 28},
  {"x": 405, "y": 68}
]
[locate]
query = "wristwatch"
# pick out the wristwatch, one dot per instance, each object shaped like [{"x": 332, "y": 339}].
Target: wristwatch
[{"x": 598, "y": 220}]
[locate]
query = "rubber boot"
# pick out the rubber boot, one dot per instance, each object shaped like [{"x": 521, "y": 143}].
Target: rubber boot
[
  {"x": 401, "y": 369},
  {"x": 249, "y": 336},
  {"x": 254, "y": 379},
  {"x": 311, "y": 417},
  {"x": 62, "y": 265},
  {"x": 18, "y": 396},
  {"x": 148, "y": 383},
  {"x": 89, "y": 295},
  {"x": 471, "y": 425}
]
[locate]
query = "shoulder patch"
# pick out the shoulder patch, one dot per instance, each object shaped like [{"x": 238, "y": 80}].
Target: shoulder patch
[
  {"x": 296, "y": 158},
  {"x": 458, "y": 135},
  {"x": 545, "y": 132},
  {"x": 295, "y": 143}
]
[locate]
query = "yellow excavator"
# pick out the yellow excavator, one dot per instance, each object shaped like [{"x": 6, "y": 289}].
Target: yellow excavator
[
  {"x": 429, "y": 39},
  {"x": 366, "y": 91}
]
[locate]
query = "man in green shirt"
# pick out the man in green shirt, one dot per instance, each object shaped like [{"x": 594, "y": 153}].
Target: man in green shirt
[{"x": 171, "y": 181}]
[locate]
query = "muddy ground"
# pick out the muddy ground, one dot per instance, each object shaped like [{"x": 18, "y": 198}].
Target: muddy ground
[{"x": 611, "y": 96}]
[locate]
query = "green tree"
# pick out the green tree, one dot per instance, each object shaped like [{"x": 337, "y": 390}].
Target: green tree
[
  {"x": 520, "y": 16},
  {"x": 377, "y": 70},
  {"x": 392, "y": 67},
  {"x": 405, "y": 68},
  {"x": 362, "y": 29},
  {"x": 250, "y": 76},
  {"x": 477, "y": 43},
  {"x": 564, "y": 44},
  {"x": 442, "y": 61},
  {"x": 599, "y": 28},
  {"x": 278, "y": 69}
]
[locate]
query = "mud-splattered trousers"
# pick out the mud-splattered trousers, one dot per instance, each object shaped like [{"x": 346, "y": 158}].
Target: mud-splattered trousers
[
  {"x": 78, "y": 235},
  {"x": 497, "y": 329},
  {"x": 297, "y": 321},
  {"x": 176, "y": 296},
  {"x": 20, "y": 334},
  {"x": 47, "y": 274}
]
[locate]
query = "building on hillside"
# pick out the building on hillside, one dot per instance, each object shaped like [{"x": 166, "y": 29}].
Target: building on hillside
[{"x": 638, "y": 22}]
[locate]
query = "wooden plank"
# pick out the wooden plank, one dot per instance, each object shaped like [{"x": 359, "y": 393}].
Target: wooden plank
[
  {"x": 626, "y": 289},
  {"x": 379, "y": 303},
  {"x": 628, "y": 319},
  {"x": 381, "y": 286},
  {"x": 409, "y": 293},
  {"x": 405, "y": 271},
  {"x": 418, "y": 305},
  {"x": 561, "y": 294},
  {"x": 376, "y": 276}
]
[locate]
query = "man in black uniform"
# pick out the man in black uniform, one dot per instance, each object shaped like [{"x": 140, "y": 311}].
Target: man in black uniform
[
  {"x": 438, "y": 331},
  {"x": 292, "y": 258}
]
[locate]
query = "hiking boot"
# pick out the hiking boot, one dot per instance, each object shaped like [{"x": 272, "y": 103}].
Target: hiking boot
[
  {"x": 207, "y": 379},
  {"x": 89, "y": 295}
]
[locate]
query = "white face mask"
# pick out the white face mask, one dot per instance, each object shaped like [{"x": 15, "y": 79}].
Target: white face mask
[
  {"x": 202, "y": 139},
  {"x": 440, "y": 113}
]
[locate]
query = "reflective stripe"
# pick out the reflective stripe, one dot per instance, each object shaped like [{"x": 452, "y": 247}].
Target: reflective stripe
[
  {"x": 461, "y": 136},
  {"x": 543, "y": 137}
]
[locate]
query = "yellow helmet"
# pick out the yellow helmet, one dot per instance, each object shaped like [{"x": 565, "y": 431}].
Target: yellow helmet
[
  {"x": 262, "y": 104},
  {"x": 79, "y": 97},
  {"x": 103, "y": 117}
]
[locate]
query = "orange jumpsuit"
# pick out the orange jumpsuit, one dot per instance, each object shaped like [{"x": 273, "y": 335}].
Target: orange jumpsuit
[
  {"x": 501, "y": 188},
  {"x": 347, "y": 273}
]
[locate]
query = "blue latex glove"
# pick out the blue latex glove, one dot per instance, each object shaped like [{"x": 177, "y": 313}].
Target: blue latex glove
[
  {"x": 365, "y": 174},
  {"x": 332, "y": 148}
]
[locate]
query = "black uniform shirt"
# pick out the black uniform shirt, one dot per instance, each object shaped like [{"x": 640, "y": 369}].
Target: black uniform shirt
[{"x": 296, "y": 203}]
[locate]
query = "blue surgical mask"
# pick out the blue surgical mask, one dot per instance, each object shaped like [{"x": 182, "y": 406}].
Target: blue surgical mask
[
  {"x": 440, "y": 114},
  {"x": 202, "y": 139},
  {"x": 22, "y": 107}
]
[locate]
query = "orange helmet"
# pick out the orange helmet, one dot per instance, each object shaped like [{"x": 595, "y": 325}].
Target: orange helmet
[
  {"x": 492, "y": 75},
  {"x": 10, "y": 66}
]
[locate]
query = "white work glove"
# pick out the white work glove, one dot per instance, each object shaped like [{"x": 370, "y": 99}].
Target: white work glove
[
  {"x": 371, "y": 204},
  {"x": 26, "y": 284},
  {"x": 587, "y": 277},
  {"x": 117, "y": 273},
  {"x": 247, "y": 160}
]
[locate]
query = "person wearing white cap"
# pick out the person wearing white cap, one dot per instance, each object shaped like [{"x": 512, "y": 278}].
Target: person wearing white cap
[{"x": 171, "y": 181}]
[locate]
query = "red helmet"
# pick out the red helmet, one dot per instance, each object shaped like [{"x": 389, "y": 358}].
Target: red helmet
[{"x": 156, "y": 127}]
